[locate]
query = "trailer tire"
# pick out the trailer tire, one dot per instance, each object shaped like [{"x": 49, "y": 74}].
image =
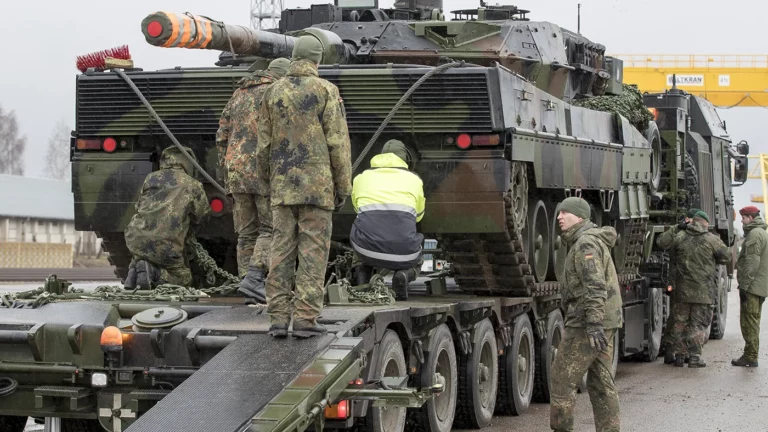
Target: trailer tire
[
  {"x": 546, "y": 350},
  {"x": 80, "y": 425},
  {"x": 654, "y": 326},
  {"x": 13, "y": 423},
  {"x": 437, "y": 414},
  {"x": 720, "y": 314},
  {"x": 478, "y": 379},
  {"x": 518, "y": 363},
  {"x": 391, "y": 362}
]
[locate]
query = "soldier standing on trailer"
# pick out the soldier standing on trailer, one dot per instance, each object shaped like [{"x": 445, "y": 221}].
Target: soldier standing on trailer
[
  {"x": 752, "y": 275},
  {"x": 236, "y": 142},
  {"x": 667, "y": 343},
  {"x": 304, "y": 157},
  {"x": 592, "y": 303},
  {"x": 697, "y": 252}
]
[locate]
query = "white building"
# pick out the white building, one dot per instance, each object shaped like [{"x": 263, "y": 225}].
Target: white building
[{"x": 36, "y": 210}]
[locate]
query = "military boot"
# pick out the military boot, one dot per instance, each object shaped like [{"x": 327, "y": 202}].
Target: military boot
[
  {"x": 306, "y": 329},
  {"x": 130, "y": 279},
  {"x": 696, "y": 362},
  {"x": 401, "y": 281},
  {"x": 679, "y": 360},
  {"x": 278, "y": 330},
  {"x": 252, "y": 286},
  {"x": 744, "y": 362},
  {"x": 669, "y": 357},
  {"x": 147, "y": 275}
]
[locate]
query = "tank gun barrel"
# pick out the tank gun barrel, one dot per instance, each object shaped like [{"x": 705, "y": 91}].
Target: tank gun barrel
[{"x": 170, "y": 30}]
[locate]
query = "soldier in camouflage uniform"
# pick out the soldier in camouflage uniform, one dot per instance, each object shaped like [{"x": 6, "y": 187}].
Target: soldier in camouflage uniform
[
  {"x": 752, "y": 275},
  {"x": 592, "y": 303},
  {"x": 304, "y": 156},
  {"x": 697, "y": 252},
  {"x": 236, "y": 141},
  {"x": 666, "y": 340},
  {"x": 171, "y": 204}
]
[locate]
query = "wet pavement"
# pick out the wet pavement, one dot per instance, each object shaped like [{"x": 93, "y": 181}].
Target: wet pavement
[{"x": 659, "y": 397}]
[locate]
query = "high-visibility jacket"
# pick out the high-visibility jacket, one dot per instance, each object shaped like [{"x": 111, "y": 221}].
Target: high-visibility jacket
[{"x": 389, "y": 200}]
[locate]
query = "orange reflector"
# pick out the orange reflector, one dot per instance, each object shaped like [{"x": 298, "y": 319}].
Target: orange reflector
[
  {"x": 654, "y": 112},
  {"x": 217, "y": 205},
  {"x": 485, "y": 140},
  {"x": 111, "y": 338},
  {"x": 88, "y": 144},
  {"x": 338, "y": 411},
  {"x": 109, "y": 145},
  {"x": 358, "y": 381},
  {"x": 463, "y": 141},
  {"x": 669, "y": 288}
]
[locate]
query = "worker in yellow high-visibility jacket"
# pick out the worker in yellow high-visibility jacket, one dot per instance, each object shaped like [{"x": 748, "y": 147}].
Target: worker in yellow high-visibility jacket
[{"x": 389, "y": 201}]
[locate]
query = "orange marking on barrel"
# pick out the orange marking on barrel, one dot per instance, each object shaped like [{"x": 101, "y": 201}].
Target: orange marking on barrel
[
  {"x": 198, "y": 33},
  {"x": 185, "y": 34},
  {"x": 208, "y": 34},
  {"x": 174, "y": 29}
]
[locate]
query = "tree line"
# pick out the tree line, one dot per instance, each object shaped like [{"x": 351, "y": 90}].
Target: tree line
[{"x": 13, "y": 145}]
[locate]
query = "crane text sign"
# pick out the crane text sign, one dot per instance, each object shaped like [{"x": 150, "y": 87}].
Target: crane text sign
[{"x": 687, "y": 80}]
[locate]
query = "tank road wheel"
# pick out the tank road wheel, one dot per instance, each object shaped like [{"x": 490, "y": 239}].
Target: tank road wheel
[
  {"x": 721, "y": 304},
  {"x": 519, "y": 193},
  {"x": 439, "y": 367},
  {"x": 478, "y": 379},
  {"x": 559, "y": 249},
  {"x": 519, "y": 361},
  {"x": 654, "y": 321},
  {"x": 546, "y": 350},
  {"x": 538, "y": 239},
  {"x": 391, "y": 363},
  {"x": 654, "y": 138},
  {"x": 13, "y": 423}
]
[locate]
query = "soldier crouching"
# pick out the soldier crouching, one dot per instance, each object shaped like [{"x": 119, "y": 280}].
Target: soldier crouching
[{"x": 592, "y": 301}]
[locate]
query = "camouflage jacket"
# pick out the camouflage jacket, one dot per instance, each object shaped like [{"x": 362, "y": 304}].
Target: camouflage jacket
[
  {"x": 304, "y": 151},
  {"x": 591, "y": 291},
  {"x": 752, "y": 267},
  {"x": 238, "y": 133},
  {"x": 697, "y": 251},
  {"x": 171, "y": 201}
]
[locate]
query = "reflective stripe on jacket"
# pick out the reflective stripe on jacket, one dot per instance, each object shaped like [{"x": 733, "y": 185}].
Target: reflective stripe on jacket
[{"x": 389, "y": 201}]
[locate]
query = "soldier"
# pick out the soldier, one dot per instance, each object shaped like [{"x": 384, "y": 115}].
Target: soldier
[
  {"x": 389, "y": 201},
  {"x": 592, "y": 302},
  {"x": 236, "y": 142},
  {"x": 666, "y": 340},
  {"x": 697, "y": 252},
  {"x": 752, "y": 275},
  {"x": 171, "y": 204},
  {"x": 304, "y": 157}
]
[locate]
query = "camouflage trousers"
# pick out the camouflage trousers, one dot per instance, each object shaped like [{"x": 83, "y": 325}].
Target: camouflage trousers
[
  {"x": 252, "y": 218},
  {"x": 173, "y": 264},
  {"x": 689, "y": 328},
  {"x": 751, "y": 309},
  {"x": 575, "y": 357},
  {"x": 303, "y": 232}
]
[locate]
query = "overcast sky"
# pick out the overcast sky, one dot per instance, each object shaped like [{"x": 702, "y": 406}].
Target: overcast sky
[{"x": 41, "y": 40}]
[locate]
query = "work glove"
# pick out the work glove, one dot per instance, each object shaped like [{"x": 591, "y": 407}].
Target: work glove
[
  {"x": 596, "y": 336},
  {"x": 682, "y": 225},
  {"x": 338, "y": 202}
]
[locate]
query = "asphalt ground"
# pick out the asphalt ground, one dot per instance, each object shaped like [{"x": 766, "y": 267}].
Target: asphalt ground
[{"x": 654, "y": 396}]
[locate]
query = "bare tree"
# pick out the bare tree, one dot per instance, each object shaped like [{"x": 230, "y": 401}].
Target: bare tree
[
  {"x": 57, "y": 159},
  {"x": 11, "y": 145}
]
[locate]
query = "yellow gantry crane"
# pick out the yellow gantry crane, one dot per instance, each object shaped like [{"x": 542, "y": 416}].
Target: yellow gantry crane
[{"x": 727, "y": 81}]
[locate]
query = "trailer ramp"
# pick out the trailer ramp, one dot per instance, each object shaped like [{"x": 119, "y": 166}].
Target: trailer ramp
[{"x": 229, "y": 390}]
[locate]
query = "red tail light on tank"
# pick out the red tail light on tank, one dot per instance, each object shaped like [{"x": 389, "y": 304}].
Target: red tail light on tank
[
  {"x": 109, "y": 145},
  {"x": 463, "y": 141}
]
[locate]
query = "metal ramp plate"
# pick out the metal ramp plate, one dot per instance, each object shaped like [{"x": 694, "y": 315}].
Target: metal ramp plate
[{"x": 231, "y": 388}]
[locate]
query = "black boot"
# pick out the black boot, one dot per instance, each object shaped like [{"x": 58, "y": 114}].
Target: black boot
[
  {"x": 307, "y": 329},
  {"x": 679, "y": 360},
  {"x": 696, "y": 362},
  {"x": 278, "y": 330},
  {"x": 252, "y": 286},
  {"x": 400, "y": 283},
  {"x": 147, "y": 275},
  {"x": 669, "y": 357},
  {"x": 744, "y": 362},
  {"x": 130, "y": 280}
]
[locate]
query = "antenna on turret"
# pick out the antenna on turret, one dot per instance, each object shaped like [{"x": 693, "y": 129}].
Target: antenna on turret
[{"x": 578, "y": 16}]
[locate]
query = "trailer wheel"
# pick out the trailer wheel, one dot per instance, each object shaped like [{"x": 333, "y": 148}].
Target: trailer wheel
[
  {"x": 654, "y": 323},
  {"x": 439, "y": 366},
  {"x": 391, "y": 363},
  {"x": 546, "y": 350},
  {"x": 80, "y": 425},
  {"x": 13, "y": 423},
  {"x": 519, "y": 362},
  {"x": 721, "y": 304},
  {"x": 478, "y": 379}
]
